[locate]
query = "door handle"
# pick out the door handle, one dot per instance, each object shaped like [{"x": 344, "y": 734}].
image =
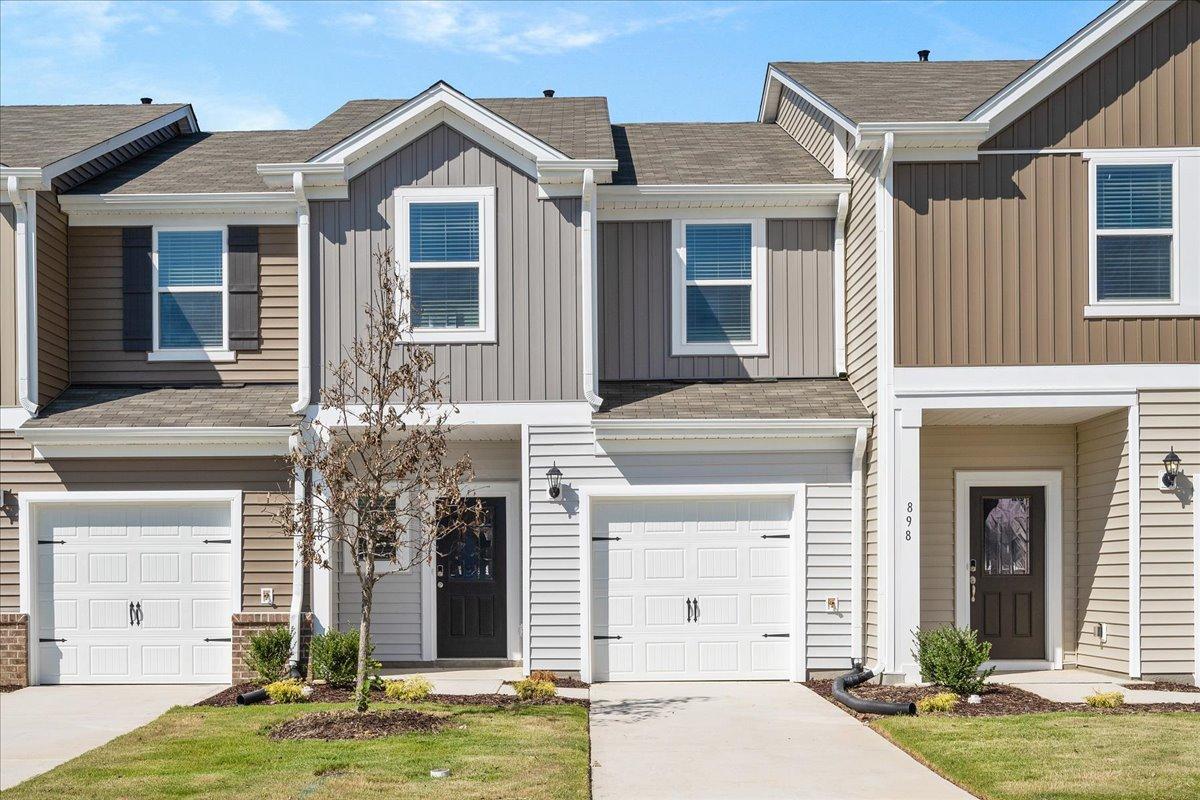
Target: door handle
[
  {"x": 131, "y": 620},
  {"x": 972, "y": 588},
  {"x": 440, "y": 570},
  {"x": 139, "y": 613},
  {"x": 695, "y": 609},
  {"x": 689, "y": 609}
]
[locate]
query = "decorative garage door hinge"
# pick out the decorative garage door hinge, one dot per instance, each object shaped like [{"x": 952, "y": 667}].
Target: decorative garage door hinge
[
  {"x": 776, "y": 635},
  {"x": 606, "y": 637},
  {"x": 218, "y": 541},
  {"x": 606, "y": 538},
  {"x": 226, "y": 639},
  {"x": 51, "y": 541},
  {"x": 776, "y": 536},
  {"x": 51, "y": 640}
]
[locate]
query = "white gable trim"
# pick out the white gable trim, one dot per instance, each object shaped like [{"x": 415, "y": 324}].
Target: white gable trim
[
  {"x": 370, "y": 144},
  {"x": 771, "y": 97},
  {"x": 1067, "y": 60}
]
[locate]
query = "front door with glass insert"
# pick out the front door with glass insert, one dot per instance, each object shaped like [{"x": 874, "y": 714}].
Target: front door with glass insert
[
  {"x": 1006, "y": 573},
  {"x": 470, "y": 570}
]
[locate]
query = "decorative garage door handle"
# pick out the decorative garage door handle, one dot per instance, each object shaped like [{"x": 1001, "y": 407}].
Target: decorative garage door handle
[
  {"x": 139, "y": 613},
  {"x": 132, "y": 619},
  {"x": 695, "y": 609},
  {"x": 689, "y": 609}
]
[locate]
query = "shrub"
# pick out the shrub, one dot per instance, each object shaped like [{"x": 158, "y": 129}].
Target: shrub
[
  {"x": 409, "y": 690},
  {"x": 334, "y": 656},
  {"x": 530, "y": 689},
  {"x": 288, "y": 690},
  {"x": 269, "y": 654},
  {"x": 942, "y": 701},
  {"x": 952, "y": 657},
  {"x": 543, "y": 675},
  {"x": 1105, "y": 700}
]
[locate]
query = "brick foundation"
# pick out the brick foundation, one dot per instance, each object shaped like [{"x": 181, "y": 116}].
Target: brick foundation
[
  {"x": 249, "y": 623},
  {"x": 14, "y": 649}
]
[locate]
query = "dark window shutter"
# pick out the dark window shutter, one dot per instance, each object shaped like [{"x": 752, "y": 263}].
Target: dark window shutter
[
  {"x": 243, "y": 287},
  {"x": 137, "y": 275}
]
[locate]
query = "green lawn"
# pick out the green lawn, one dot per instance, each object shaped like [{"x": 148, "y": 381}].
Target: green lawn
[
  {"x": 534, "y": 752},
  {"x": 1059, "y": 756}
]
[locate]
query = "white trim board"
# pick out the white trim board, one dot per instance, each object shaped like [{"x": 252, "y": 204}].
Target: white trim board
[
  {"x": 589, "y": 495},
  {"x": 1074, "y": 379},
  {"x": 1051, "y": 481},
  {"x": 157, "y": 442},
  {"x": 562, "y": 412},
  {"x": 30, "y": 502}
]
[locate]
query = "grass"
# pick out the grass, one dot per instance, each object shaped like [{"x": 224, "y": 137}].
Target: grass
[
  {"x": 1060, "y": 756},
  {"x": 531, "y": 752}
]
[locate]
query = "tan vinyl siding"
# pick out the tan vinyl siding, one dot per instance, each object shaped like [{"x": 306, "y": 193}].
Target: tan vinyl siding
[
  {"x": 992, "y": 269},
  {"x": 1168, "y": 419},
  {"x": 53, "y": 317},
  {"x": 635, "y": 305},
  {"x": 536, "y": 355},
  {"x": 946, "y": 450},
  {"x": 95, "y": 293},
  {"x": 266, "y": 554},
  {"x": 1143, "y": 93},
  {"x": 808, "y": 126},
  {"x": 861, "y": 363},
  {"x": 8, "y": 306},
  {"x": 1103, "y": 502}
]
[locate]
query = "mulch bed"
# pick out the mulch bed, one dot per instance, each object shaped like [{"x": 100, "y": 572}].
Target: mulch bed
[
  {"x": 564, "y": 682},
  {"x": 5, "y": 688},
  {"x": 331, "y": 725},
  {"x": 1164, "y": 686},
  {"x": 323, "y": 693},
  {"x": 998, "y": 700}
]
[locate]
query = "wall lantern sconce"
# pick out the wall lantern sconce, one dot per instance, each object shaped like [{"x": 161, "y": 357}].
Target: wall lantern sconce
[
  {"x": 9, "y": 504},
  {"x": 554, "y": 478},
  {"x": 1171, "y": 466}
]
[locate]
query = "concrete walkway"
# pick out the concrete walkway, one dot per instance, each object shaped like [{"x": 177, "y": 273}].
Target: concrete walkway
[
  {"x": 44, "y": 726},
  {"x": 1073, "y": 685},
  {"x": 743, "y": 741}
]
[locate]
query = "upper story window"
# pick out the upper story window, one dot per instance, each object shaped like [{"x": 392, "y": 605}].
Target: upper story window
[
  {"x": 447, "y": 257},
  {"x": 190, "y": 294},
  {"x": 719, "y": 297},
  {"x": 1142, "y": 263}
]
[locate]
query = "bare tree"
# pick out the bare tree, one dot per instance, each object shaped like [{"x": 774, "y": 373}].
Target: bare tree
[{"x": 382, "y": 489}]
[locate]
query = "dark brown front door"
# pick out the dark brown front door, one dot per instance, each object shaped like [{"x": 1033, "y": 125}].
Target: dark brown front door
[
  {"x": 471, "y": 608},
  {"x": 1007, "y": 573}
]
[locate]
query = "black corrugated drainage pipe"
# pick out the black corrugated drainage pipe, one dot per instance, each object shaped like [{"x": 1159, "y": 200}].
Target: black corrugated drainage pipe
[
  {"x": 249, "y": 698},
  {"x": 855, "y": 677}
]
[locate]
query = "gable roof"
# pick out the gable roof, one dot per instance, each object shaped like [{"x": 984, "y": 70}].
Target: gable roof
[
  {"x": 715, "y": 153},
  {"x": 37, "y": 136},
  {"x": 904, "y": 91}
]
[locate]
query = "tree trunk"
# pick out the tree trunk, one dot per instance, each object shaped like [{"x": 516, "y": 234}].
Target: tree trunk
[{"x": 361, "y": 689}]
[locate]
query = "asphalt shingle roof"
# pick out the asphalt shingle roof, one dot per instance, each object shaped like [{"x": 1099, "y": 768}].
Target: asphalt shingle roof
[
  {"x": 711, "y": 153},
  {"x": 904, "y": 91},
  {"x": 800, "y": 398},
  {"x": 247, "y": 406},
  {"x": 36, "y": 136}
]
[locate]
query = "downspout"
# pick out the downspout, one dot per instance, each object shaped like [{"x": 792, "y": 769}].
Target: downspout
[
  {"x": 299, "y": 493},
  {"x": 839, "y": 282},
  {"x": 857, "y": 598},
  {"x": 25, "y": 213},
  {"x": 304, "y": 286},
  {"x": 587, "y": 258}
]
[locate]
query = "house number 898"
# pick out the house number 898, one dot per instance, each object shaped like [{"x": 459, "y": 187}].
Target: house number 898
[{"x": 908, "y": 523}]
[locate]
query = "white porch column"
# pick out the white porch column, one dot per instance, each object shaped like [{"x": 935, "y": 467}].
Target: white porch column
[
  {"x": 906, "y": 542},
  {"x": 324, "y": 587}
]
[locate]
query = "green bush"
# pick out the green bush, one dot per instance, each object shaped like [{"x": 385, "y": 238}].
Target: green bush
[
  {"x": 942, "y": 701},
  {"x": 334, "y": 656},
  {"x": 289, "y": 690},
  {"x": 529, "y": 689},
  {"x": 1105, "y": 700},
  {"x": 409, "y": 690},
  {"x": 952, "y": 657},
  {"x": 269, "y": 654}
]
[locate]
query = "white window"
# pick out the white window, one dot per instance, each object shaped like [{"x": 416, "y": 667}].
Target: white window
[
  {"x": 191, "y": 298},
  {"x": 1141, "y": 262},
  {"x": 719, "y": 297},
  {"x": 447, "y": 258}
]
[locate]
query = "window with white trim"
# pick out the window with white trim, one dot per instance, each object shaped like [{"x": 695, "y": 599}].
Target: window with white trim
[
  {"x": 190, "y": 293},
  {"x": 719, "y": 297},
  {"x": 1142, "y": 263},
  {"x": 448, "y": 263}
]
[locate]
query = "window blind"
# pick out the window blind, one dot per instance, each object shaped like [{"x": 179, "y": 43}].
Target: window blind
[
  {"x": 1133, "y": 267},
  {"x": 718, "y": 252},
  {"x": 190, "y": 319},
  {"x": 446, "y": 297},
  {"x": 189, "y": 258},
  {"x": 443, "y": 232},
  {"x": 718, "y": 313},
  {"x": 1133, "y": 196}
]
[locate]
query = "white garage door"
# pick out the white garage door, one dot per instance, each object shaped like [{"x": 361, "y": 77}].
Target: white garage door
[
  {"x": 134, "y": 593},
  {"x": 691, "y": 589}
]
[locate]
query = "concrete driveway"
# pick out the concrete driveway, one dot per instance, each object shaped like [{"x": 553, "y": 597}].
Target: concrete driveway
[
  {"x": 44, "y": 726},
  {"x": 743, "y": 741}
]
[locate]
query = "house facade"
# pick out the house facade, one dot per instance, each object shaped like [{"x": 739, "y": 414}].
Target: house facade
[{"x": 908, "y": 350}]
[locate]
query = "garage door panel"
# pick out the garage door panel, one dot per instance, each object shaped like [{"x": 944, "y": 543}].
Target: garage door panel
[
  {"x": 159, "y": 568},
  {"x": 210, "y": 567},
  {"x": 663, "y": 564},
  {"x": 108, "y": 614}
]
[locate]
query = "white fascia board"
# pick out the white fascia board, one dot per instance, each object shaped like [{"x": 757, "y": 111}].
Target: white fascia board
[
  {"x": 725, "y": 428},
  {"x": 553, "y": 412},
  {"x": 323, "y": 176},
  {"x": 774, "y": 74},
  {"x": 780, "y": 195},
  {"x": 1043, "y": 380},
  {"x": 156, "y": 442},
  {"x": 117, "y": 209},
  {"x": 1099, "y": 36},
  {"x": 52, "y": 171},
  {"x": 440, "y": 95},
  {"x": 26, "y": 178},
  {"x": 948, "y": 134}
]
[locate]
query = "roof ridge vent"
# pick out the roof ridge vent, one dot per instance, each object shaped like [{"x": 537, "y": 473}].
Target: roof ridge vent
[{"x": 923, "y": 55}]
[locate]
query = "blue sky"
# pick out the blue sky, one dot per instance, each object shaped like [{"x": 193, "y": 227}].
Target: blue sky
[{"x": 259, "y": 64}]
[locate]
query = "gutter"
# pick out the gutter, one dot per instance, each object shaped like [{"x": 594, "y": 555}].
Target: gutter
[
  {"x": 25, "y": 213},
  {"x": 587, "y": 262},
  {"x": 304, "y": 287},
  {"x": 163, "y": 442},
  {"x": 839, "y": 282},
  {"x": 857, "y": 544}
]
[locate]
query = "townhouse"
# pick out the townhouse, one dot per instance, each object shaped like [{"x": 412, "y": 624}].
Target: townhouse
[{"x": 744, "y": 400}]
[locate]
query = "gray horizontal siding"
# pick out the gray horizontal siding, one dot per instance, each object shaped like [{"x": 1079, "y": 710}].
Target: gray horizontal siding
[
  {"x": 635, "y": 305},
  {"x": 536, "y": 355}
]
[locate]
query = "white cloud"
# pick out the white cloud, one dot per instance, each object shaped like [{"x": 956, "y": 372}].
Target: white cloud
[
  {"x": 266, "y": 15},
  {"x": 70, "y": 27}
]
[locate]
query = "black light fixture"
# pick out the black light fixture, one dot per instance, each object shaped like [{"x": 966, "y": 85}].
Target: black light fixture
[
  {"x": 554, "y": 478},
  {"x": 1171, "y": 464}
]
